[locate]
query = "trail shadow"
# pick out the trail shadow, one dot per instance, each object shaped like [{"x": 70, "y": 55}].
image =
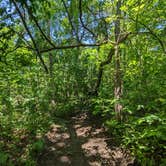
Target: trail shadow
[
  {"x": 99, "y": 149},
  {"x": 62, "y": 148},
  {"x": 82, "y": 143}
]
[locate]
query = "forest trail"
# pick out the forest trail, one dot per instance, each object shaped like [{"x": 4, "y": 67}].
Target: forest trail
[{"x": 82, "y": 143}]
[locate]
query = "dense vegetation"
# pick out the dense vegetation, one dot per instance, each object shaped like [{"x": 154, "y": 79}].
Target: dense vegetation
[{"x": 106, "y": 57}]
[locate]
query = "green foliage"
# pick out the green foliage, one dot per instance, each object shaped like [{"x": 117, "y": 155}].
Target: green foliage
[
  {"x": 37, "y": 147},
  {"x": 146, "y": 137},
  {"x": 3, "y": 158},
  {"x": 30, "y": 99},
  {"x": 103, "y": 107}
]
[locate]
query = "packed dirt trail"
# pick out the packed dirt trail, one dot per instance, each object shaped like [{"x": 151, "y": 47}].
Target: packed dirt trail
[{"x": 81, "y": 142}]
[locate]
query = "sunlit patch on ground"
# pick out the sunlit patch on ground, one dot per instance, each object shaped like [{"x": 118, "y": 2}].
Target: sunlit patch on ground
[{"x": 81, "y": 144}]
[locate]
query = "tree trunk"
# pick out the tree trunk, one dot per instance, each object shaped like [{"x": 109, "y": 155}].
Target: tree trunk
[
  {"x": 51, "y": 63},
  {"x": 118, "y": 76}
]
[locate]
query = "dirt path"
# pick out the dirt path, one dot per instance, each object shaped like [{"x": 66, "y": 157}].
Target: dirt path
[{"x": 81, "y": 143}]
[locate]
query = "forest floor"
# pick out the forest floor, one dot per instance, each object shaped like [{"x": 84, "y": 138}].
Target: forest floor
[{"x": 82, "y": 142}]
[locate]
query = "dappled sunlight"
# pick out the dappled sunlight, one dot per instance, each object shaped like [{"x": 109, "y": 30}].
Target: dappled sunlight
[
  {"x": 65, "y": 159},
  {"x": 81, "y": 143},
  {"x": 96, "y": 146},
  {"x": 80, "y": 79},
  {"x": 56, "y": 134},
  {"x": 60, "y": 144},
  {"x": 97, "y": 131},
  {"x": 83, "y": 131}
]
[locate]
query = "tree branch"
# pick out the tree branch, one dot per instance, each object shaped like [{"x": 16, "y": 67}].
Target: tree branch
[
  {"x": 70, "y": 21},
  {"x": 80, "y": 15},
  {"x": 69, "y": 47},
  {"x": 152, "y": 33},
  {"x": 38, "y": 26},
  {"x": 100, "y": 72},
  {"x": 30, "y": 35}
]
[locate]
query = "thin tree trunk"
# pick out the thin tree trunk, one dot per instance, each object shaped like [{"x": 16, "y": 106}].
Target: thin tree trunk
[
  {"x": 118, "y": 76},
  {"x": 51, "y": 63}
]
